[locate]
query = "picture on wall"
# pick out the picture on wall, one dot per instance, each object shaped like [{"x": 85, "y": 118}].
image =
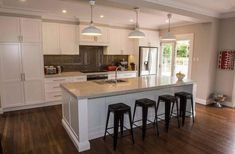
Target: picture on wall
[{"x": 226, "y": 59}]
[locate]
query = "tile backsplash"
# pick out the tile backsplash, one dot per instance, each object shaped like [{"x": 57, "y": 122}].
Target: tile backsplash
[{"x": 90, "y": 57}]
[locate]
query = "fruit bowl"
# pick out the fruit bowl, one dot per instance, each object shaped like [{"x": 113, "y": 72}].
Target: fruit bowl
[{"x": 180, "y": 76}]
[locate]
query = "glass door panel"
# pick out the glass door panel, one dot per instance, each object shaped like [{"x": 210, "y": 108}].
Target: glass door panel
[
  {"x": 167, "y": 59},
  {"x": 182, "y": 57}
]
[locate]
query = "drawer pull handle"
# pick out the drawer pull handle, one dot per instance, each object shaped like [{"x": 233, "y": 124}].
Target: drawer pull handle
[{"x": 57, "y": 95}]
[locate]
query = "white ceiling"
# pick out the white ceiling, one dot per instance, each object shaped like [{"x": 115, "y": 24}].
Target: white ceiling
[
  {"x": 216, "y": 8},
  {"x": 80, "y": 9}
]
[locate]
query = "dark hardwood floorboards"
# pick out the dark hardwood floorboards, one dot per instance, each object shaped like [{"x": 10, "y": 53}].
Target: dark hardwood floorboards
[{"x": 39, "y": 131}]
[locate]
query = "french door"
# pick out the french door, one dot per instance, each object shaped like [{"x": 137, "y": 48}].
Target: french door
[{"x": 176, "y": 57}]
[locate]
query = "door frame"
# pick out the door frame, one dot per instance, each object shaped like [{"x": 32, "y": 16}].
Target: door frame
[{"x": 179, "y": 37}]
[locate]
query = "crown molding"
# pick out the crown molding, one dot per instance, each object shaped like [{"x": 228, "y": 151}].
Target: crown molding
[{"x": 182, "y": 6}]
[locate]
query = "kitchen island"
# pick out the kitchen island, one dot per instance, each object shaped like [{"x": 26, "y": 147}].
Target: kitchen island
[{"x": 85, "y": 104}]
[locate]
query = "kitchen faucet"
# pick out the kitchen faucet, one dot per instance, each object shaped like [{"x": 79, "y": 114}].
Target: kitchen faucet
[{"x": 116, "y": 71}]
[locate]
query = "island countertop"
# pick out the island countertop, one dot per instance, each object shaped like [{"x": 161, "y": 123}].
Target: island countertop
[{"x": 95, "y": 89}]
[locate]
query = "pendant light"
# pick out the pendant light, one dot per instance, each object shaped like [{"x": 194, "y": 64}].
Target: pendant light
[
  {"x": 91, "y": 30},
  {"x": 168, "y": 36},
  {"x": 137, "y": 33}
]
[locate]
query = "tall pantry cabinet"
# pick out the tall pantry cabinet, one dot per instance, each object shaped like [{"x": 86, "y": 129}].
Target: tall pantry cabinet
[{"x": 21, "y": 62}]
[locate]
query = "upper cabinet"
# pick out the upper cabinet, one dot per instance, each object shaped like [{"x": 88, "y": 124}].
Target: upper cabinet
[
  {"x": 94, "y": 40},
  {"x": 119, "y": 43},
  {"x": 60, "y": 39},
  {"x": 151, "y": 39},
  {"x": 31, "y": 30},
  {"x": 15, "y": 30}
]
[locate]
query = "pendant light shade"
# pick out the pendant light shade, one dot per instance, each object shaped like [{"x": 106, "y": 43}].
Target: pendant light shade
[
  {"x": 168, "y": 36},
  {"x": 137, "y": 34},
  {"x": 91, "y": 30}
]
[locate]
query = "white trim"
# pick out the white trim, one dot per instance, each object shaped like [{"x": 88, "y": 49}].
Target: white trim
[
  {"x": 80, "y": 146},
  {"x": 29, "y": 106},
  {"x": 201, "y": 101}
]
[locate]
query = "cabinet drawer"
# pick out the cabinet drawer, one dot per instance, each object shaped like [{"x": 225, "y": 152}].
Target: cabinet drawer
[
  {"x": 58, "y": 80},
  {"x": 79, "y": 79},
  {"x": 52, "y": 87},
  {"x": 127, "y": 75},
  {"x": 54, "y": 96}
]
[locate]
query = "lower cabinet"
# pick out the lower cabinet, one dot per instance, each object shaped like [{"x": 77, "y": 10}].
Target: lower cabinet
[
  {"x": 123, "y": 75},
  {"x": 53, "y": 91}
]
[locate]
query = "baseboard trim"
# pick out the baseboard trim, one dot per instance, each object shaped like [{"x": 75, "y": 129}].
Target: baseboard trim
[
  {"x": 201, "y": 101},
  {"x": 8, "y": 109}
]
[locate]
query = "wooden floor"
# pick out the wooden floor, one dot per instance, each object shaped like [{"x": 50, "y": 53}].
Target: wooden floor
[{"x": 40, "y": 131}]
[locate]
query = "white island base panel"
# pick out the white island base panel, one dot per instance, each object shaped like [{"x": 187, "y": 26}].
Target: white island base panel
[{"x": 84, "y": 119}]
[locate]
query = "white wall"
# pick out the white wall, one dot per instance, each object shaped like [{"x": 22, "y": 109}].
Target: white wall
[
  {"x": 225, "y": 78},
  {"x": 205, "y": 49}
]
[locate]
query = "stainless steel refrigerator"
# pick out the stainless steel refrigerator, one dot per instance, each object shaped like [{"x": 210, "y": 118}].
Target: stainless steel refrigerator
[{"x": 148, "y": 60}]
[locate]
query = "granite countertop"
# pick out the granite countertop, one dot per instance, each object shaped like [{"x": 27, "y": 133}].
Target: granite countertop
[
  {"x": 94, "y": 89},
  {"x": 68, "y": 74}
]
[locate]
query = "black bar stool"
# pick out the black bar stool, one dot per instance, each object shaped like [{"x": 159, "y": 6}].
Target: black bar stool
[
  {"x": 168, "y": 100},
  {"x": 118, "y": 110},
  {"x": 184, "y": 96},
  {"x": 145, "y": 103}
]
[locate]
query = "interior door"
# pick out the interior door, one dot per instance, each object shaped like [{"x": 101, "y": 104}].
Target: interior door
[
  {"x": 33, "y": 70},
  {"x": 11, "y": 85}
]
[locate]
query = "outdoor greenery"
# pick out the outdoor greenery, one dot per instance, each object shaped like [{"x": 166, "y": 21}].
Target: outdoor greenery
[{"x": 181, "y": 48}]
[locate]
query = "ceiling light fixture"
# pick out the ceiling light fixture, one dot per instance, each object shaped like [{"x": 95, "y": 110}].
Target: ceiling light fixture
[
  {"x": 22, "y": 0},
  {"x": 168, "y": 36},
  {"x": 64, "y": 11},
  {"x": 91, "y": 30},
  {"x": 101, "y": 16},
  {"x": 131, "y": 20},
  {"x": 137, "y": 33}
]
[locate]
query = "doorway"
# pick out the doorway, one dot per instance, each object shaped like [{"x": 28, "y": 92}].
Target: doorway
[{"x": 176, "y": 56}]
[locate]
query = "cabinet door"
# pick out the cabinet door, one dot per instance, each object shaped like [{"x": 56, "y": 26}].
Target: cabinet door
[
  {"x": 114, "y": 47},
  {"x": 51, "y": 42},
  {"x": 33, "y": 70},
  {"x": 104, "y": 38},
  {"x": 84, "y": 38},
  {"x": 9, "y": 29},
  {"x": 68, "y": 39},
  {"x": 31, "y": 30},
  {"x": 127, "y": 43},
  {"x": 12, "y": 93}
]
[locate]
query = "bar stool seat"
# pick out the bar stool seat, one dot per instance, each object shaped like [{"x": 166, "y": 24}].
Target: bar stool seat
[
  {"x": 118, "y": 109},
  {"x": 168, "y": 100},
  {"x": 145, "y": 103},
  {"x": 184, "y": 96}
]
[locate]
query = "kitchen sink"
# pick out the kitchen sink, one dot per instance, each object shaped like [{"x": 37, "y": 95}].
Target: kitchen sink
[{"x": 110, "y": 81}]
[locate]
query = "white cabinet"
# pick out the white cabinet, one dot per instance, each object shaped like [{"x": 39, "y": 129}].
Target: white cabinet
[
  {"x": 33, "y": 73},
  {"x": 60, "y": 39},
  {"x": 10, "y": 75},
  {"x": 151, "y": 39},
  {"x": 15, "y": 30},
  {"x": 68, "y": 39},
  {"x": 94, "y": 40},
  {"x": 53, "y": 91},
  {"x": 50, "y": 33},
  {"x": 31, "y": 30},
  {"x": 119, "y": 43},
  {"x": 21, "y": 74}
]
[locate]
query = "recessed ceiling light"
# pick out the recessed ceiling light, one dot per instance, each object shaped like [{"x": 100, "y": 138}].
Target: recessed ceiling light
[
  {"x": 101, "y": 16},
  {"x": 167, "y": 21},
  {"x": 22, "y": 0},
  {"x": 64, "y": 11},
  {"x": 131, "y": 20}
]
